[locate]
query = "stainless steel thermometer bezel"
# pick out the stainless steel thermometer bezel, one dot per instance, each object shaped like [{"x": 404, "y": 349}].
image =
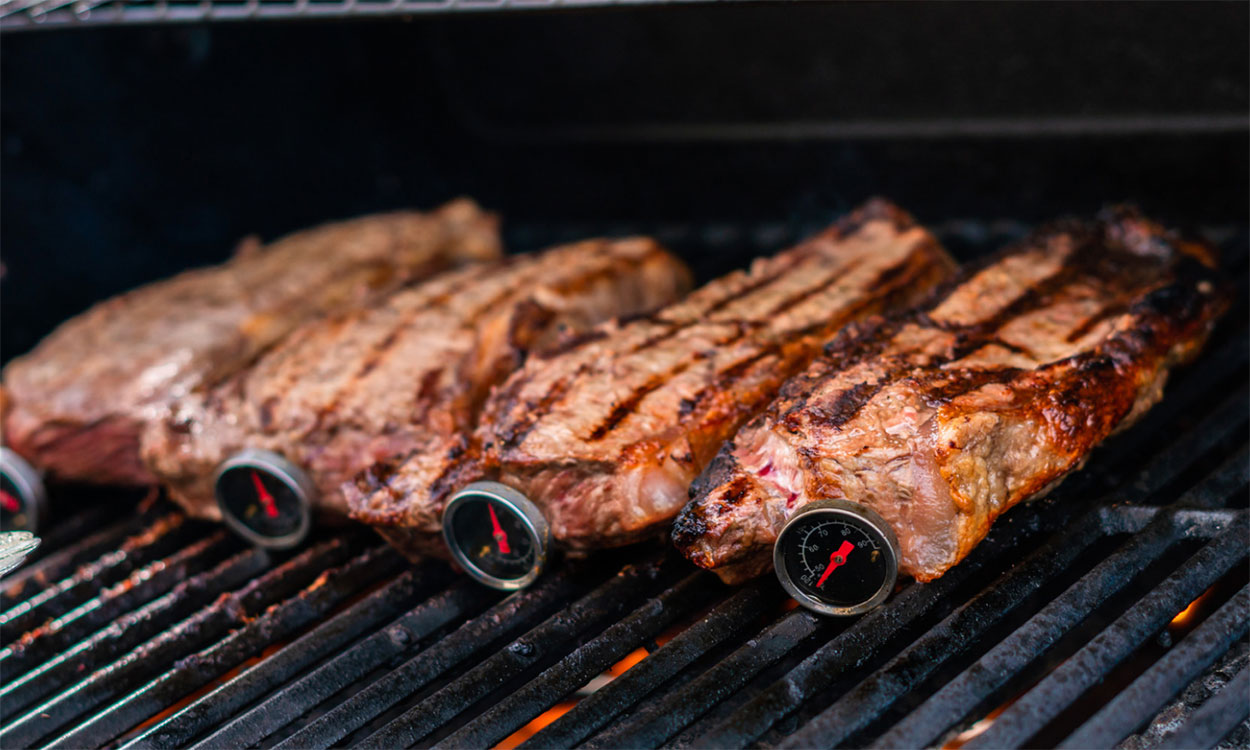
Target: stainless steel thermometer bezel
[
  {"x": 859, "y": 515},
  {"x": 531, "y": 517},
  {"x": 29, "y": 485},
  {"x": 295, "y": 478}
]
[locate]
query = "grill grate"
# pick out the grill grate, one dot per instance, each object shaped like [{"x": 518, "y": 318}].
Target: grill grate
[
  {"x": 1115, "y": 611},
  {"x": 35, "y": 14}
]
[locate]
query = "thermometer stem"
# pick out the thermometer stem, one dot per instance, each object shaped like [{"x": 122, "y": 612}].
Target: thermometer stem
[{"x": 837, "y": 558}]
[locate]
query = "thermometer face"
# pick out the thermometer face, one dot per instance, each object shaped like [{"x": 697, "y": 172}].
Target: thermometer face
[
  {"x": 837, "y": 558},
  {"x": 265, "y": 499},
  {"x": 497, "y": 535},
  {"x": 22, "y": 497}
]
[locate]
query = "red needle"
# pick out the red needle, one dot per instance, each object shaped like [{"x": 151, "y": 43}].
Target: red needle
[
  {"x": 837, "y": 558},
  {"x": 500, "y": 537},
  {"x": 271, "y": 508},
  {"x": 9, "y": 502}
]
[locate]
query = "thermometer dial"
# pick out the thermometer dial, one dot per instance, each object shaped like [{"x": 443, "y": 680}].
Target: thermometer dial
[
  {"x": 836, "y": 557},
  {"x": 496, "y": 534},
  {"x": 265, "y": 499},
  {"x": 23, "y": 501}
]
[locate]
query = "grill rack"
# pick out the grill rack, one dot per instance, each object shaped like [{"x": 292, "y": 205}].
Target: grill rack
[
  {"x": 159, "y": 632},
  {"x": 35, "y": 14}
]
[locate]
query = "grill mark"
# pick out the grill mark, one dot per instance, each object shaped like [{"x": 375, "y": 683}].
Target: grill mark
[
  {"x": 456, "y": 457},
  {"x": 384, "y": 347},
  {"x": 1108, "y": 311},
  {"x": 938, "y": 393},
  {"x": 791, "y": 259},
  {"x": 631, "y": 403},
  {"x": 843, "y": 409},
  {"x": 833, "y": 278},
  {"x": 524, "y": 277},
  {"x": 514, "y": 432},
  {"x": 426, "y": 391},
  {"x": 628, "y": 405},
  {"x": 969, "y": 337},
  {"x": 1106, "y": 264}
]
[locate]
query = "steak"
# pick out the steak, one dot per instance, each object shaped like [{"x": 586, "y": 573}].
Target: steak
[
  {"x": 605, "y": 434},
  {"x": 81, "y": 397},
  {"x": 405, "y": 375},
  {"x": 986, "y": 396}
]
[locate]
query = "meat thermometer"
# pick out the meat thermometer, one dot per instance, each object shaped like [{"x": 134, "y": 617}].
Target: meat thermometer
[
  {"x": 23, "y": 501},
  {"x": 265, "y": 498},
  {"x": 837, "y": 557},
  {"x": 497, "y": 535}
]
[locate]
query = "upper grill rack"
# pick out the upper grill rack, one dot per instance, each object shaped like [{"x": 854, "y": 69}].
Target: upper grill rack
[
  {"x": 34, "y": 14},
  {"x": 1114, "y": 612}
]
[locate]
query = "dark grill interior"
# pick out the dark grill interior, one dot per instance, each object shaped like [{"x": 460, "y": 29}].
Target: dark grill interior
[{"x": 1115, "y": 611}]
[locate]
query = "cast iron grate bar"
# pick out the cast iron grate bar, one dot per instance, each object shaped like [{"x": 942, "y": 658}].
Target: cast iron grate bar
[
  {"x": 1147, "y": 694},
  {"x": 129, "y": 631},
  {"x": 1066, "y": 683},
  {"x": 915, "y": 664},
  {"x": 223, "y": 703},
  {"x": 584, "y": 663},
  {"x": 1216, "y": 719},
  {"x": 658, "y": 720},
  {"x": 284, "y": 706},
  {"x": 182, "y": 639},
  {"x": 591, "y": 612},
  {"x": 37, "y": 575},
  {"x": 921, "y": 659},
  {"x": 278, "y": 622},
  {"x": 432, "y": 663},
  {"x": 927, "y": 722},
  {"x": 729, "y": 679},
  {"x": 731, "y": 617},
  {"x": 158, "y": 539},
  {"x": 140, "y": 586}
]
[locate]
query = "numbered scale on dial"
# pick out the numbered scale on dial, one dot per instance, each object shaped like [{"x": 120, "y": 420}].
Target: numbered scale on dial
[
  {"x": 497, "y": 535},
  {"x": 23, "y": 501},
  {"x": 265, "y": 499},
  {"x": 836, "y": 557}
]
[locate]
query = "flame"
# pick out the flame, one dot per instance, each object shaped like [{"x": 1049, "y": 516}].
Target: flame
[
  {"x": 562, "y": 708},
  {"x": 536, "y": 726},
  {"x": 1187, "y": 615},
  {"x": 977, "y": 729}
]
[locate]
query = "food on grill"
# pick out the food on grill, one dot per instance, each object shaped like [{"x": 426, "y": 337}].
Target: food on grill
[
  {"x": 988, "y": 395},
  {"x": 406, "y": 374},
  {"x": 81, "y": 397},
  {"x": 605, "y": 434}
]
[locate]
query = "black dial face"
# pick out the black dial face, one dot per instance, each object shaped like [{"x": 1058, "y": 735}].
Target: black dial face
[
  {"x": 257, "y": 499},
  {"x": 493, "y": 537},
  {"x": 14, "y": 505},
  {"x": 836, "y": 558}
]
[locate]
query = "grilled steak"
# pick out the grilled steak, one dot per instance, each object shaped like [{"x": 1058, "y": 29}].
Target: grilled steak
[
  {"x": 81, "y": 397},
  {"x": 606, "y": 434},
  {"x": 405, "y": 375},
  {"x": 943, "y": 418}
]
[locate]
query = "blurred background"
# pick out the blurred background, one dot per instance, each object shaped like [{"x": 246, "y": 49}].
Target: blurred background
[{"x": 132, "y": 152}]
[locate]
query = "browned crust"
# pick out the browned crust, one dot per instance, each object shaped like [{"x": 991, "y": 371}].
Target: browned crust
[
  {"x": 1160, "y": 289},
  {"x": 731, "y": 392},
  {"x": 83, "y": 396},
  {"x": 581, "y": 286}
]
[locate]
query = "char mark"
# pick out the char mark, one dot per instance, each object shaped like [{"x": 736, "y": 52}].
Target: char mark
[
  {"x": 514, "y": 430},
  {"x": 806, "y": 294}
]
